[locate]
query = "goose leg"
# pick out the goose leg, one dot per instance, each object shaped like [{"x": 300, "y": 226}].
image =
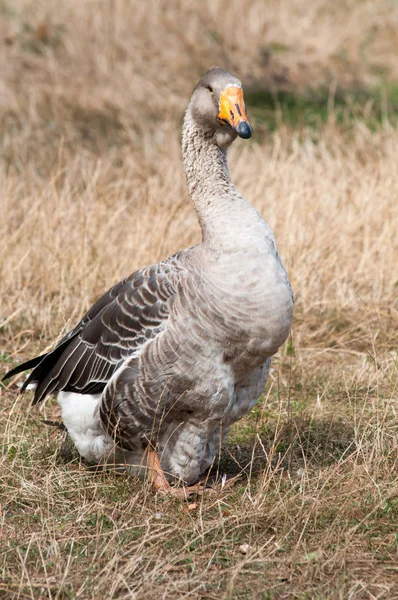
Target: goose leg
[
  {"x": 158, "y": 479},
  {"x": 156, "y": 474}
]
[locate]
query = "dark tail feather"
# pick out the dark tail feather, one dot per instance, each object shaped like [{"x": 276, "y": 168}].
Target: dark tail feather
[
  {"x": 44, "y": 390},
  {"x": 57, "y": 424},
  {"x": 30, "y": 364},
  {"x": 41, "y": 366}
]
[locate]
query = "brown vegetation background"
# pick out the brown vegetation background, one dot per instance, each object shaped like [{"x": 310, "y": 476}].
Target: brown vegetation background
[{"x": 92, "y": 95}]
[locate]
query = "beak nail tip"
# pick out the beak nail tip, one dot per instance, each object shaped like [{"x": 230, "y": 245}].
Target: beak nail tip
[{"x": 244, "y": 130}]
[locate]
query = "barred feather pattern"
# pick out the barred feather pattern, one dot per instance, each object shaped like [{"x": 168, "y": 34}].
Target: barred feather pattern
[{"x": 177, "y": 352}]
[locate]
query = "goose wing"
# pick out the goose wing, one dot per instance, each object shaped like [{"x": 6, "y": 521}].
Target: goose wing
[{"x": 120, "y": 322}]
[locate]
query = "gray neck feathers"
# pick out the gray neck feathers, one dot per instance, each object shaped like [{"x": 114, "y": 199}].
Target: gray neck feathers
[
  {"x": 225, "y": 217},
  {"x": 205, "y": 164},
  {"x": 218, "y": 204}
]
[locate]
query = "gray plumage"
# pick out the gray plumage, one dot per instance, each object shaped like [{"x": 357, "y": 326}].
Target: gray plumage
[{"x": 180, "y": 350}]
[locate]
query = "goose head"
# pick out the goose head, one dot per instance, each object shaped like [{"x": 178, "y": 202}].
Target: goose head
[{"x": 218, "y": 108}]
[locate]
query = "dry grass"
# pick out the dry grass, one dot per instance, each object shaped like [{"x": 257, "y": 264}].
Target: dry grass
[{"x": 91, "y": 100}]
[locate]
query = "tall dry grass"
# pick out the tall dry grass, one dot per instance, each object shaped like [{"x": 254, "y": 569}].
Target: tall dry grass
[{"x": 91, "y": 186}]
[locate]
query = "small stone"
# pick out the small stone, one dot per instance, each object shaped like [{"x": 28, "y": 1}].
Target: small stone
[{"x": 245, "y": 548}]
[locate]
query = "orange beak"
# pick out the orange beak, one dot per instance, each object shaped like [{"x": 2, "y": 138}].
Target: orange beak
[{"x": 232, "y": 111}]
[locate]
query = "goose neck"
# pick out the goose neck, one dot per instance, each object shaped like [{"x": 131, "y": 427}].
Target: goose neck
[{"x": 206, "y": 170}]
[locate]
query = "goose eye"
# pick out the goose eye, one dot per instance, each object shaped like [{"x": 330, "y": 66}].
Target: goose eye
[{"x": 210, "y": 89}]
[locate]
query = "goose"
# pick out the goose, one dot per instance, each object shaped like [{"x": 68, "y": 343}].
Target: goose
[{"x": 159, "y": 368}]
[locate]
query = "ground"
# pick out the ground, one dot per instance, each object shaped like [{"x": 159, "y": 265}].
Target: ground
[{"x": 91, "y": 187}]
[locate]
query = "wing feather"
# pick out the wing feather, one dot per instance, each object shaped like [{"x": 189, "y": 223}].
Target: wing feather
[{"x": 114, "y": 328}]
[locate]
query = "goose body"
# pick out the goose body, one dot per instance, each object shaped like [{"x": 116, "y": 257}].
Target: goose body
[{"x": 173, "y": 355}]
